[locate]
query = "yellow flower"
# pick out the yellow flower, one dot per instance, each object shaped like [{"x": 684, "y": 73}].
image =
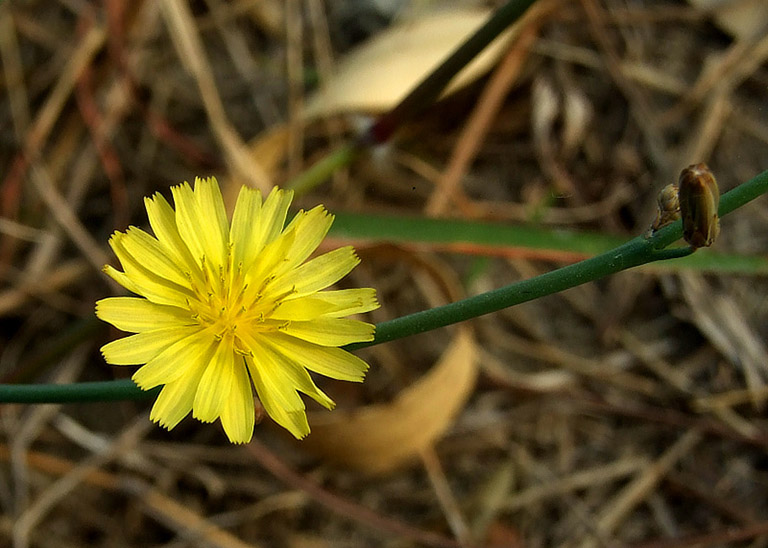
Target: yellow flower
[{"x": 222, "y": 309}]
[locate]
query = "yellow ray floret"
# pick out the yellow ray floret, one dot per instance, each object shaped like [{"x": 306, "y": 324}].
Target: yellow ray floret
[{"x": 223, "y": 310}]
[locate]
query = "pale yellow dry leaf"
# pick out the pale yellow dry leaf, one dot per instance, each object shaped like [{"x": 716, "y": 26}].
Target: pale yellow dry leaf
[
  {"x": 741, "y": 18},
  {"x": 377, "y": 438},
  {"x": 378, "y": 74}
]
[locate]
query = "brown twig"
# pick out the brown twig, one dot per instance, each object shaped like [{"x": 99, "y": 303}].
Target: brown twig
[
  {"x": 346, "y": 508},
  {"x": 488, "y": 105}
]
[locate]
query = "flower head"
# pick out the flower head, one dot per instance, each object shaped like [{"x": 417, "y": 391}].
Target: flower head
[{"x": 223, "y": 308}]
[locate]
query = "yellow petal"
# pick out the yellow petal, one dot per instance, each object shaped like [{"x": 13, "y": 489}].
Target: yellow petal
[
  {"x": 280, "y": 400},
  {"x": 292, "y": 420},
  {"x": 175, "y": 361},
  {"x": 334, "y": 304},
  {"x": 237, "y": 413},
  {"x": 175, "y": 399},
  {"x": 350, "y": 301},
  {"x": 273, "y": 213},
  {"x": 187, "y": 221},
  {"x": 162, "y": 219},
  {"x": 303, "y": 308},
  {"x": 330, "y": 331},
  {"x": 151, "y": 255},
  {"x": 272, "y": 254},
  {"x": 215, "y": 383},
  {"x": 245, "y": 225},
  {"x": 294, "y": 375},
  {"x": 331, "y": 362},
  {"x": 311, "y": 227},
  {"x": 317, "y": 274},
  {"x": 136, "y": 315},
  {"x": 262, "y": 363},
  {"x": 146, "y": 282},
  {"x": 211, "y": 218},
  {"x": 141, "y": 348},
  {"x": 265, "y": 229},
  {"x": 295, "y": 422},
  {"x": 122, "y": 279}
]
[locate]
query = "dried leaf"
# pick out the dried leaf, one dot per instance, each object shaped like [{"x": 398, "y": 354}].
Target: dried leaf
[
  {"x": 378, "y": 74},
  {"x": 379, "y": 437}
]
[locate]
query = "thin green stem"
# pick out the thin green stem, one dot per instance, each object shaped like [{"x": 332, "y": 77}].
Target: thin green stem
[
  {"x": 121, "y": 389},
  {"x": 635, "y": 252},
  {"x": 323, "y": 169}
]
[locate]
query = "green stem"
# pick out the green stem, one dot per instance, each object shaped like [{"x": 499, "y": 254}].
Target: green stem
[
  {"x": 323, "y": 169},
  {"x": 121, "y": 389},
  {"x": 633, "y": 253}
]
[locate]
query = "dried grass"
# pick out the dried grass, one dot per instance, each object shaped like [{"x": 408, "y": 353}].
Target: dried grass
[{"x": 627, "y": 412}]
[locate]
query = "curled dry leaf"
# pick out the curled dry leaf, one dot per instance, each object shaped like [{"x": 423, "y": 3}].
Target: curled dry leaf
[
  {"x": 378, "y": 74},
  {"x": 377, "y": 438}
]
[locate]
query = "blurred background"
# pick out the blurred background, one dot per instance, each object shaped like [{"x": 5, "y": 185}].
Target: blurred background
[{"x": 625, "y": 412}]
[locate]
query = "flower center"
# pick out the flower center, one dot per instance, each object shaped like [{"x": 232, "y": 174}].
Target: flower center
[{"x": 225, "y": 304}]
